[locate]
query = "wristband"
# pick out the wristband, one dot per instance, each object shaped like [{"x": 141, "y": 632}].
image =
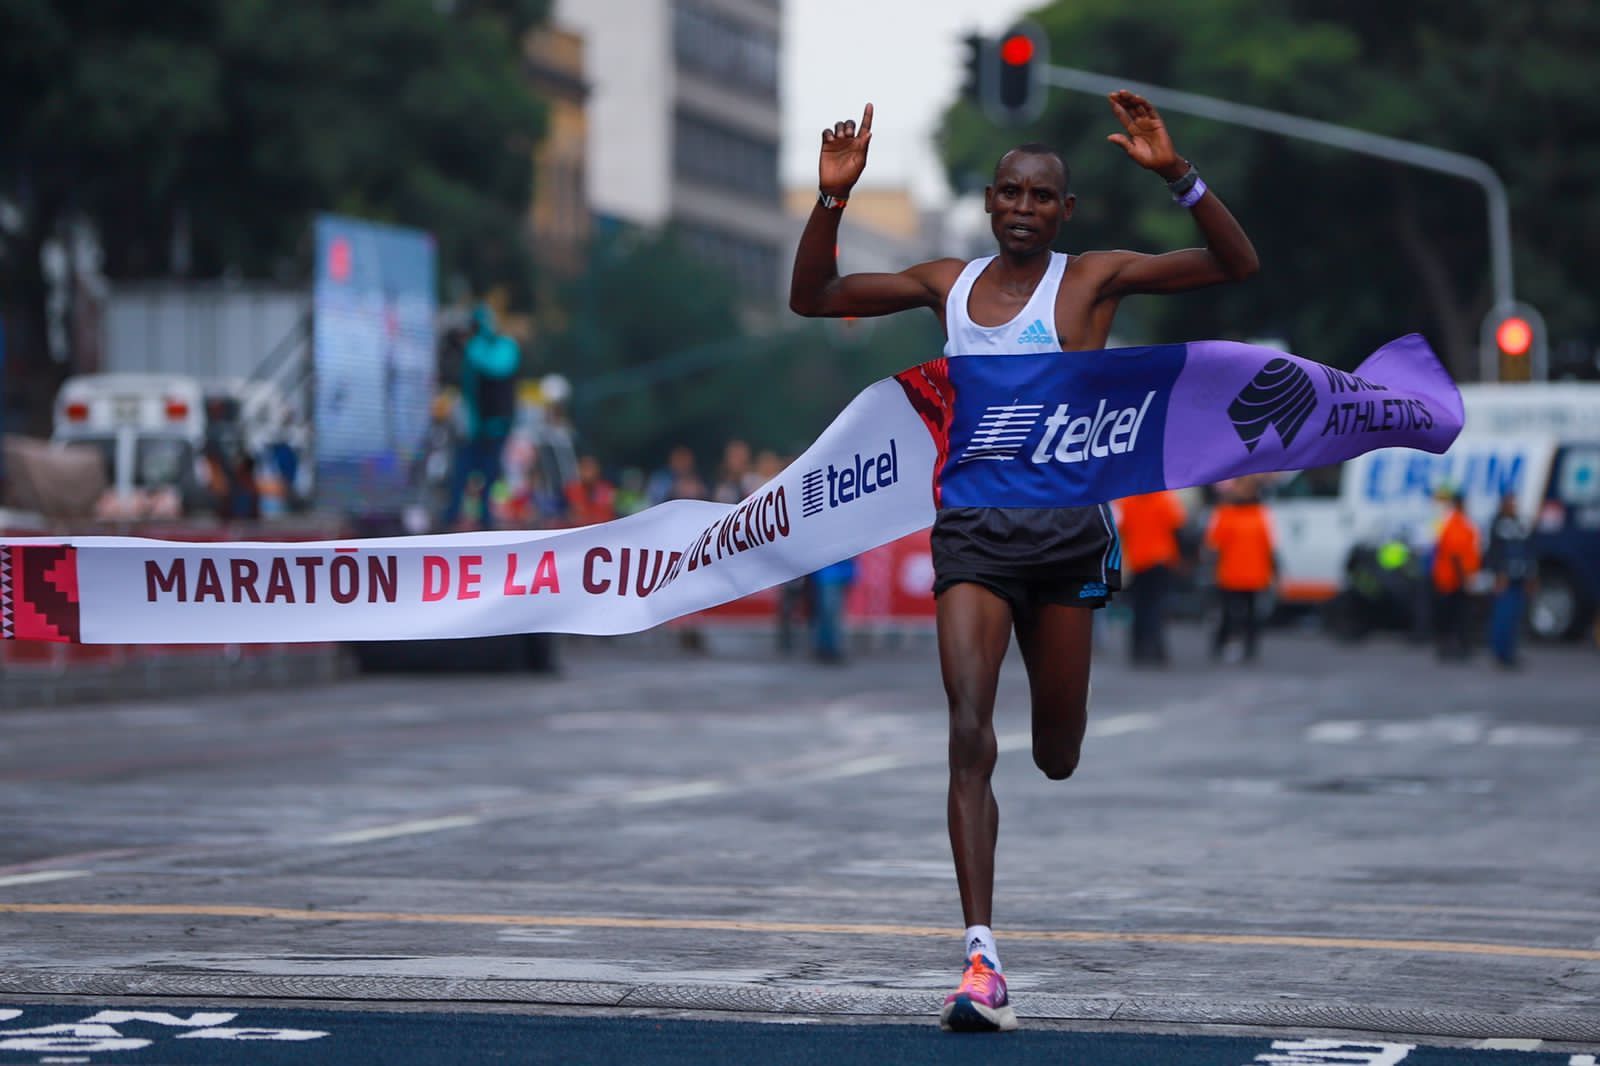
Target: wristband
[
  {"x": 1184, "y": 182},
  {"x": 1192, "y": 197},
  {"x": 832, "y": 203}
]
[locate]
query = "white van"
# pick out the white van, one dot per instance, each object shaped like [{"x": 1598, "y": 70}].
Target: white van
[
  {"x": 1540, "y": 442},
  {"x": 149, "y": 427}
]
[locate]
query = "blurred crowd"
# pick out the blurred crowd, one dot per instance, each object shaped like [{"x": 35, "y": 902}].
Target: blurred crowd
[{"x": 1468, "y": 587}]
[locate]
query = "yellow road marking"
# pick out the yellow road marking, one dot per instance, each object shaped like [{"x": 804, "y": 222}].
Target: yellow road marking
[{"x": 728, "y": 925}]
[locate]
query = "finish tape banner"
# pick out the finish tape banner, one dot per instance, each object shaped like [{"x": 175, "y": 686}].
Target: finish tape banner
[{"x": 1040, "y": 430}]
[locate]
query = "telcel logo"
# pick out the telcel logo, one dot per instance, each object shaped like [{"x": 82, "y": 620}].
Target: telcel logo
[
  {"x": 863, "y": 475},
  {"x": 1072, "y": 439}
]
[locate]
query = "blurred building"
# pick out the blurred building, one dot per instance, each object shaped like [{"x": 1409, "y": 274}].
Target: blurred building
[
  {"x": 883, "y": 229},
  {"x": 559, "y": 214},
  {"x": 683, "y": 125}
]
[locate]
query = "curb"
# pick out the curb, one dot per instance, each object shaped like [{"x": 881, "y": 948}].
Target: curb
[{"x": 763, "y": 999}]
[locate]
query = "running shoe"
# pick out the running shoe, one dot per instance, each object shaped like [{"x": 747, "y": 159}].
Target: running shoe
[{"x": 979, "y": 1004}]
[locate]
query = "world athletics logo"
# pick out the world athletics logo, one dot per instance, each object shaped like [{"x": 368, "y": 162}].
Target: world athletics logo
[{"x": 1281, "y": 395}]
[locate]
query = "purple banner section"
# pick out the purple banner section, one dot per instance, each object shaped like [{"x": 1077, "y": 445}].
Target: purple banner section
[
  {"x": 1076, "y": 428},
  {"x": 1239, "y": 409}
]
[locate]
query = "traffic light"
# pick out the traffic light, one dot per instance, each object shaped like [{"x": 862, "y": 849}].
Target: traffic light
[
  {"x": 1514, "y": 335},
  {"x": 1022, "y": 53},
  {"x": 1514, "y": 346},
  {"x": 972, "y": 79}
]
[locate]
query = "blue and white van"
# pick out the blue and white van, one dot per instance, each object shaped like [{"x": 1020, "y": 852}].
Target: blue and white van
[{"x": 1538, "y": 442}]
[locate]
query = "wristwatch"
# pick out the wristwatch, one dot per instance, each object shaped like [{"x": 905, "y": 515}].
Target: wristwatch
[{"x": 1185, "y": 183}]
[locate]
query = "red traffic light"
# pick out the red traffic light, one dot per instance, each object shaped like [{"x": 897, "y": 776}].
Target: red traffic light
[
  {"x": 1016, "y": 50},
  {"x": 1514, "y": 335}
]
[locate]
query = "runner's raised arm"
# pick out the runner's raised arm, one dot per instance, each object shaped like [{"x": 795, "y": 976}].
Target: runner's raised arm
[
  {"x": 816, "y": 290},
  {"x": 1228, "y": 254}
]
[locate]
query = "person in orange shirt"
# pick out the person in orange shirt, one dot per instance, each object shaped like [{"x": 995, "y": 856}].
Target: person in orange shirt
[
  {"x": 1149, "y": 526},
  {"x": 1240, "y": 535},
  {"x": 1456, "y": 558}
]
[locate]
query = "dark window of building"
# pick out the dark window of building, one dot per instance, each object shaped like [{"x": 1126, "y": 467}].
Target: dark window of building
[
  {"x": 725, "y": 158},
  {"x": 725, "y": 49},
  {"x": 752, "y": 264}
]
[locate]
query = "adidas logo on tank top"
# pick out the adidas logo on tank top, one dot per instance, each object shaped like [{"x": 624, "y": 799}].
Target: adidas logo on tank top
[{"x": 1036, "y": 334}]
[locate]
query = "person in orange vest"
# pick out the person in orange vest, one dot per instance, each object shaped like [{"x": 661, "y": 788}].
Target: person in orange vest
[
  {"x": 1241, "y": 537},
  {"x": 1149, "y": 525},
  {"x": 1456, "y": 559}
]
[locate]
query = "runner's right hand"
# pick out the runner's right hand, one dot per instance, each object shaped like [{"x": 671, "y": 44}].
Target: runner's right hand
[{"x": 844, "y": 155}]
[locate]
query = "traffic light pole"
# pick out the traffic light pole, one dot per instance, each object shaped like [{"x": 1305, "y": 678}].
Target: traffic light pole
[{"x": 1306, "y": 129}]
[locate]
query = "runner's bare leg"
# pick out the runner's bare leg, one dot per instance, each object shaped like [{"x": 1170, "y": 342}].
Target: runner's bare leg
[
  {"x": 1056, "y": 643},
  {"x": 974, "y": 633}
]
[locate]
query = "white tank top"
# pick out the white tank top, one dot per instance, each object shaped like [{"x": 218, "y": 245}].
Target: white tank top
[{"x": 1032, "y": 330}]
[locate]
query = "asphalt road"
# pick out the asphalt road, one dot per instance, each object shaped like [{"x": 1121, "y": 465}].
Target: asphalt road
[{"x": 1335, "y": 841}]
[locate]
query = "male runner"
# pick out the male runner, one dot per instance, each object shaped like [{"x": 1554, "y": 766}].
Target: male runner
[{"x": 1037, "y": 571}]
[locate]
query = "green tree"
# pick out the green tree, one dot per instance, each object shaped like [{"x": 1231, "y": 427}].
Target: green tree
[
  {"x": 1354, "y": 250},
  {"x": 659, "y": 354},
  {"x": 228, "y": 123}
]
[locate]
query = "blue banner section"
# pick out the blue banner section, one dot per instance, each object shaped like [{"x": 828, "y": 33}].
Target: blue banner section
[{"x": 1031, "y": 431}]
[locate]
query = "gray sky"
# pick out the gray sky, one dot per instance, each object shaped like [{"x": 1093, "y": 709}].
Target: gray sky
[{"x": 903, "y": 55}]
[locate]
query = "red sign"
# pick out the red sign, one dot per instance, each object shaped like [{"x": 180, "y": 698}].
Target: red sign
[{"x": 894, "y": 583}]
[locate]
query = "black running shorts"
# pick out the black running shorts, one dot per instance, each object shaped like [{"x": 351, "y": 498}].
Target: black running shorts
[{"x": 1029, "y": 555}]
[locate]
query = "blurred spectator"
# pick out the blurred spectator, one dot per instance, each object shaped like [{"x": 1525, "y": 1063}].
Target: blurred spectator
[
  {"x": 431, "y": 471},
  {"x": 735, "y": 478},
  {"x": 488, "y": 398},
  {"x": 769, "y": 464},
  {"x": 246, "y": 502},
  {"x": 1241, "y": 537},
  {"x": 678, "y": 480},
  {"x": 1149, "y": 526},
  {"x": 630, "y": 492},
  {"x": 1456, "y": 559},
  {"x": 793, "y": 597},
  {"x": 1511, "y": 561},
  {"x": 829, "y": 587},
  {"x": 591, "y": 499},
  {"x": 231, "y": 479}
]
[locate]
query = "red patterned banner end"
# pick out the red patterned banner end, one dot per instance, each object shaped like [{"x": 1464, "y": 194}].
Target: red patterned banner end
[{"x": 39, "y": 593}]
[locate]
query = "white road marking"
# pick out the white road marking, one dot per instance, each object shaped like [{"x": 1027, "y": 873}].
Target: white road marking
[
  {"x": 400, "y": 829},
  {"x": 198, "y": 1020},
  {"x": 1535, "y": 736},
  {"x": 253, "y": 1034},
  {"x": 1114, "y": 726},
  {"x": 872, "y": 764},
  {"x": 1509, "y": 913},
  {"x": 1014, "y": 742},
  {"x": 1445, "y": 729},
  {"x": 1505, "y": 1043},
  {"x": 668, "y": 793},
  {"x": 1336, "y": 732},
  {"x": 1118, "y": 724},
  {"x": 1346, "y": 1053},
  {"x": 42, "y": 876}
]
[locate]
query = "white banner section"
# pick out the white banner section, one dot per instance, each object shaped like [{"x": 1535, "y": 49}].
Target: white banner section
[{"x": 866, "y": 481}]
